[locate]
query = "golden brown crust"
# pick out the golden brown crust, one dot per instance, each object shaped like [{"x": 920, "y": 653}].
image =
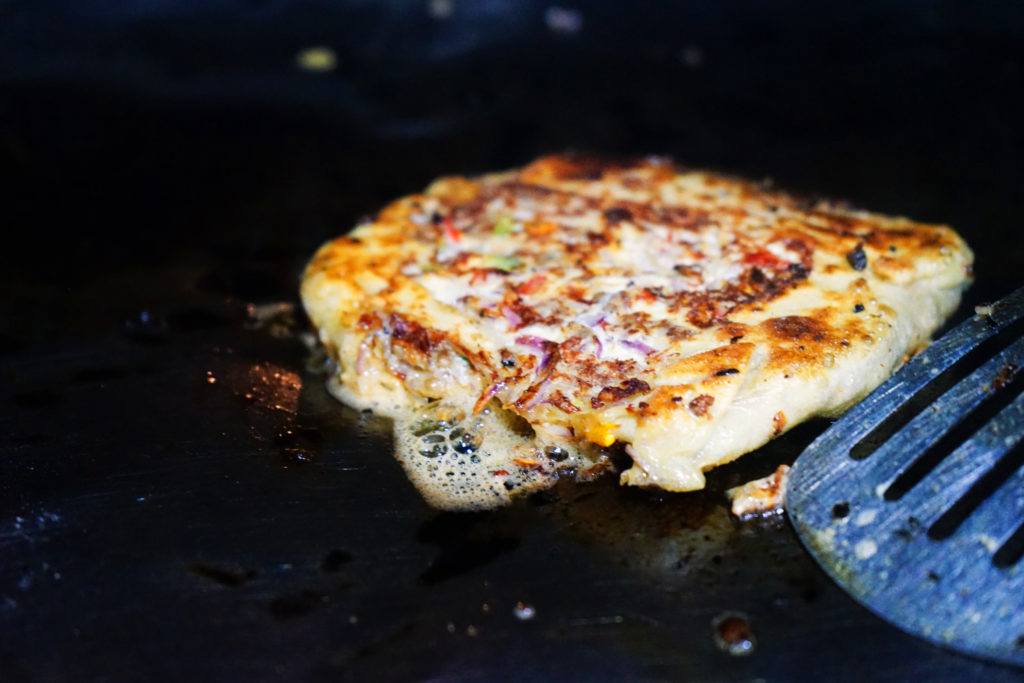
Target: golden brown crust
[{"x": 627, "y": 300}]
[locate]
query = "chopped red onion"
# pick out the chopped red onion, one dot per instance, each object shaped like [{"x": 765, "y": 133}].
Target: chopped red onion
[
  {"x": 539, "y": 395},
  {"x": 596, "y": 314},
  {"x": 639, "y": 346},
  {"x": 545, "y": 361},
  {"x": 534, "y": 342},
  {"x": 494, "y": 388},
  {"x": 545, "y": 346},
  {"x": 513, "y": 318},
  {"x": 487, "y": 396}
]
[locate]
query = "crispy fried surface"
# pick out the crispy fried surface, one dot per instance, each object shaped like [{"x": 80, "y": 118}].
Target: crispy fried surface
[{"x": 687, "y": 314}]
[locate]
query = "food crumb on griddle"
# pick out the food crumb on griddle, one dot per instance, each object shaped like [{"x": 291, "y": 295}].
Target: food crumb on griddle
[{"x": 761, "y": 497}]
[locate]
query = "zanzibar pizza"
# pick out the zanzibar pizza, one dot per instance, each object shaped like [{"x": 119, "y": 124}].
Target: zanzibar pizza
[{"x": 528, "y": 325}]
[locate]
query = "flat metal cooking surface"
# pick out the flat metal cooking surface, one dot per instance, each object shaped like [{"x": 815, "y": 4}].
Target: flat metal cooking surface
[
  {"x": 157, "y": 522},
  {"x": 182, "y": 497},
  {"x": 159, "y": 518}
]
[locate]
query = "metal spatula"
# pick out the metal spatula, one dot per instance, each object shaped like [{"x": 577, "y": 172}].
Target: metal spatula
[{"x": 914, "y": 500}]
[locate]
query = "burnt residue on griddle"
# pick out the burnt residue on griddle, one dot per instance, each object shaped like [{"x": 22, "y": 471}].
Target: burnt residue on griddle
[
  {"x": 669, "y": 537},
  {"x": 466, "y": 541},
  {"x": 809, "y": 592},
  {"x": 248, "y": 281},
  {"x": 297, "y": 604},
  {"x": 334, "y": 560},
  {"x": 231, "y": 577},
  {"x": 396, "y": 639},
  {"x": 299, "y": 443},
  {"x": 280, "y": 319},
  {"x": 270, "y": 394},
  {"x": 684, "y": 543},
  {"x": 35, "y": 399},
  {"x": 201, "y": 319},
  {"x": 151, "y": 326},
  {"x": 101, "y": 374},
  {"x": 28, "y": 440},
  {"x": 10, "y": 344},
  {"x": 732, "y": 634}
]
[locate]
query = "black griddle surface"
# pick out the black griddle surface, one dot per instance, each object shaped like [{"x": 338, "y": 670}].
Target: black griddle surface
[
  {"x": 160, "y": 523},
  {"x": 155, "y": 522}
]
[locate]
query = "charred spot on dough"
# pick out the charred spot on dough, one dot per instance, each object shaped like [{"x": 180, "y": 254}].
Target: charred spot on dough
[
  {"x": 663, "y": 402},
  {"x": 408, "y": 332},
  {"x": 933, "y": 239},
  {"x": 563, "y": 167},
  {"x": 672, "y": 217},
  {"x": 617, "y": 214},
  {"x": 856, "y": 257},
  {"x": 702, "y": 314},
  {"x": 732, "y": 331},
  {"x": 700, "y": 405},
  {"x": 778, "y": 423},
  {"x": 877, "y": 238},
  {"x": 725, "y": 356},
  {"x": 614, "y": 394},
  {"x": 576, "y": 167},
  {"x": 454, "y": 189},
  {"x": 800, "y": 343},
  {"x": 797, "y": 328},
  {"x": 688, "y": 270},
  {"x": 799, "y": 271},
  {"x": 562, "y": 402},
  {"x": 910, "y": 241},
  {"x": 368, "y": 322}
]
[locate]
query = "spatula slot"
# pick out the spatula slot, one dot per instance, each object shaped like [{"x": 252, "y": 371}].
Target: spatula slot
[
  {"x": 928, "y": 531},
  {"x": 1004, "y": 388},
  {"x": 1011, "y": 551},
  {"x": 951, "y": 519},
  {"x": 927, "y": 394}
]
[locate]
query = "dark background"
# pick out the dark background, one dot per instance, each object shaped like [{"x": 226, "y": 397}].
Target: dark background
[{"x": 166, "y": 164}]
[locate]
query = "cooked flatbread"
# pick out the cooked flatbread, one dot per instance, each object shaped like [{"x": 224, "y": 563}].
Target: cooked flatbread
[{"x": 521, "y": 325}]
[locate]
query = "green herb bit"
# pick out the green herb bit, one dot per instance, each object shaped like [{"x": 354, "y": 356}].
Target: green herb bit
[
  {"x": 504, "y": 225},
  {"x": 506, "y": 263}
]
